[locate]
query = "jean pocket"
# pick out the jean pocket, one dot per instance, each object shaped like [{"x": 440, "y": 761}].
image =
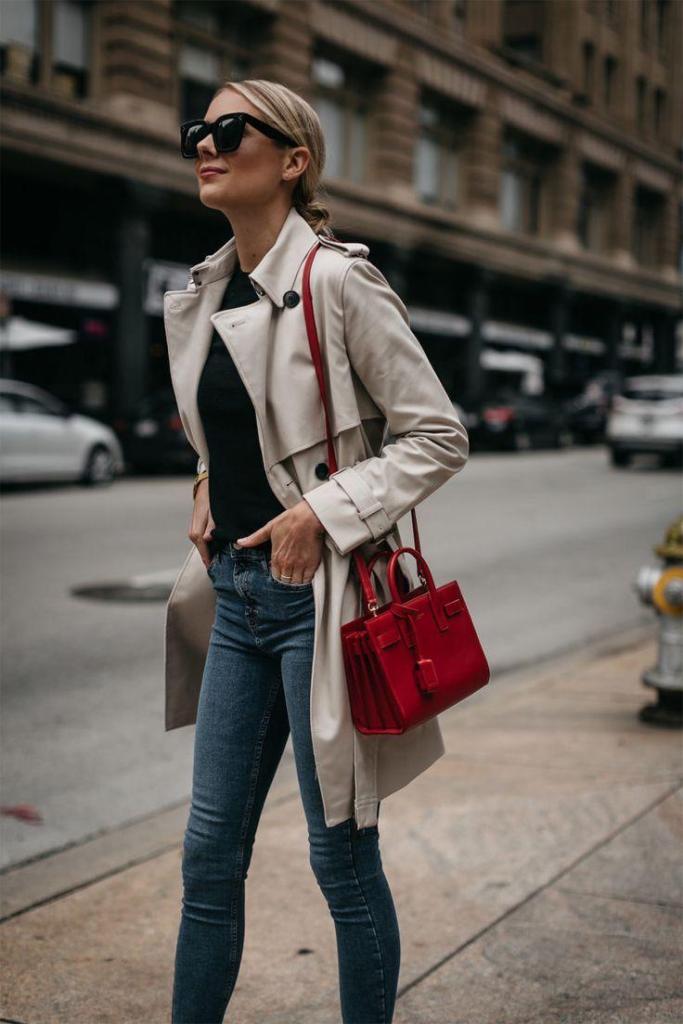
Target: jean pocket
[
  {"x": 212, "y": 563},
  {"x": 285, "y": 584}
]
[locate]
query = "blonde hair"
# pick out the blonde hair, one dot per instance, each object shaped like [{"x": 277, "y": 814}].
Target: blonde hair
[{"x": 290, "y": 113}]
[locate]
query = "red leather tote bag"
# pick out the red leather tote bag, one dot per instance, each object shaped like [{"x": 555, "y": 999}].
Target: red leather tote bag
[{"x": 417, "y": 655}]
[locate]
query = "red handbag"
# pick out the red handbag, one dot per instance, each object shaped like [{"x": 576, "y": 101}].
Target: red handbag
[{"x": 412, "y": 658}]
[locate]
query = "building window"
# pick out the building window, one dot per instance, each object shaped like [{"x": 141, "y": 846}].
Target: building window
[
  {"x": 459, "y": 15},
  {"x": 423, "y": 8},
  {"x": 66, "y": 27},
  {"x": 660, "y": 111},
  {"x": 647, "y": 227},
  {"x": 588, "y": 69},
  {"x": 71, "y": 43},
  {"x": 641, "y": 94},
  {"x": 662, "y": 11},
  {"x": 520, "y": 189},
  {"x": 523, "y": 27},
  {"x": 645, "y": 23},
  {"x": 215, "y": 43},
  {"x": 20, "y": 40},
  {"x": 341, "y": 98},
  {"x": 610, "y": 72},
  {"x": 437, "y": 154},
  {"x": 594, "y": 209},
  {"x": 200, "y": 75}
]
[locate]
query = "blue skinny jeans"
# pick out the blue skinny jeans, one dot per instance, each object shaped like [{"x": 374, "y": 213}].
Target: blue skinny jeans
[{"x": 255, "y": 688}]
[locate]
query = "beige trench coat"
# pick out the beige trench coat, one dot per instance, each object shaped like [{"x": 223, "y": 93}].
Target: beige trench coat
[{"x": 379, "y": 383}]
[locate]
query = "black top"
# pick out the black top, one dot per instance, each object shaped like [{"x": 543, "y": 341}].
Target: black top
[{"x": 240, "y": 496}]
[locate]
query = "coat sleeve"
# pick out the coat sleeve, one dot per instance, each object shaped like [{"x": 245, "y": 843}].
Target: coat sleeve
[{"x": 362, "y": 502}]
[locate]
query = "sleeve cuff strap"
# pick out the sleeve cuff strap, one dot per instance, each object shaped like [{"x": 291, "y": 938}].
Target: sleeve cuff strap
[{"x": 369, "y": 508}]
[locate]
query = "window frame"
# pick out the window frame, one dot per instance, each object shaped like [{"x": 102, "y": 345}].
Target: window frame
[
  {"x": 353, "y": 98},
  {"x": 447, "y": 134},
  {"x": 528, "y": 167},
  {"x": 234, "y": 53},
  {"x": 43, "y": 73}
]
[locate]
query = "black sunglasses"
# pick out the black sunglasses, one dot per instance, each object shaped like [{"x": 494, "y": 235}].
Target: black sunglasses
[{"x": 227, "y": 132}]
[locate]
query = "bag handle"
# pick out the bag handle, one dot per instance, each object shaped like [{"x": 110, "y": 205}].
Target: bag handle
[{"x": 314, "y": 344}]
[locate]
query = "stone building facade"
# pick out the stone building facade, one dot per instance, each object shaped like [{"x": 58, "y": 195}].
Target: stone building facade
[{"x": 514, "y": 166}]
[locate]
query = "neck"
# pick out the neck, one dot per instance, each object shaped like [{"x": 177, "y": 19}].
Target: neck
[{"x": 255, "y": 233}]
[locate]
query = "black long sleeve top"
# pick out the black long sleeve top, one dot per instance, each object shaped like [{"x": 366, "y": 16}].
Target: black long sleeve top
[{"x": 240, "y": 497}]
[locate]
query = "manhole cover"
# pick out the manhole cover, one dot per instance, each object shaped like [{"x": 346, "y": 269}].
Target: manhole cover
[{"x": 150, "y": 588}]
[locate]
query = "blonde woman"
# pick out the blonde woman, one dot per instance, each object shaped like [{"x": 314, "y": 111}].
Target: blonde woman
[{"x": 253, "y": 651}]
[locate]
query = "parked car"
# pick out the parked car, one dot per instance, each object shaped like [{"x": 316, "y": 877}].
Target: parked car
[
  {"x": 647, "y": 416},
  {"x": 587, "y": 412},
  {"x": 43, "y": 439},
  {"x": 517, "y": 422},
  {"x": 153, "y": 438}
]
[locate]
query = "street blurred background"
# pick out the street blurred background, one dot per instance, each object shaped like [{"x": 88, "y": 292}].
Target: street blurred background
[{"x": 514, "y": 167}]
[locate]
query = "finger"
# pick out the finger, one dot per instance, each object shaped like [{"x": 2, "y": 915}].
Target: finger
[
  {"x": 258, "y": 536},
  {"x": 204, "y": 552},
  {"x": 291, "y": 575}
]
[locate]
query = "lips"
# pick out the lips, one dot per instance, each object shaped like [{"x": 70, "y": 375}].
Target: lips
[{"x": 206, "y": 171}]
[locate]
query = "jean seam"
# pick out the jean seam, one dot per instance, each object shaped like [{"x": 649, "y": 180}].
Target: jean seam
[
  {"x": 249, "y": 806},
  {"x": 372, "y": 920}
]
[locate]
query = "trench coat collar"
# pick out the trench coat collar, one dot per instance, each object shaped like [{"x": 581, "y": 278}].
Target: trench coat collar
[{"x": 277, "y": 270}]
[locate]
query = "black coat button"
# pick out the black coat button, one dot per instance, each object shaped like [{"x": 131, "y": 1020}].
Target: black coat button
[
  {"x": 291, "y": 298},
  {"x": 322, "y": 470}
]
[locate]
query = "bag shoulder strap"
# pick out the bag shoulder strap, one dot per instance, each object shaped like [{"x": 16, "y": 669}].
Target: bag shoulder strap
[{"x": 314, "y": 345}]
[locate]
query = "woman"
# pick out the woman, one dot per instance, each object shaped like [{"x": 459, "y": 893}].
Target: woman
[{"x": 252, "y": 631}]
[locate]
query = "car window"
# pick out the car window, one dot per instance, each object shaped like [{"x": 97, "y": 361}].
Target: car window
[
  {"x": 653, "y": 393},
  {"x": 28, "y": 404},
  {"x": 7, "y": 402}
]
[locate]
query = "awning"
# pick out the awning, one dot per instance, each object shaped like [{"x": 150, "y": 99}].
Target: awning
[
  {"x": 19, "y": 333},
  {"x": 517, "y": 334},
  {"x": 438, "y": 321},
  {"x": 59, "y": 290}
]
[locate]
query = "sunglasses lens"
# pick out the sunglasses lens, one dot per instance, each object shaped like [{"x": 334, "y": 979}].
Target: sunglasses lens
[
  {"x": 228, "y": 134},
  {"x": 189, "y": 138}
]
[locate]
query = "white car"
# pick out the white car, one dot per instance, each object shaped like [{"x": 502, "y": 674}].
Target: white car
[
  {"x": 647, "y": 416},
  {"x": 42, "y": 439}
]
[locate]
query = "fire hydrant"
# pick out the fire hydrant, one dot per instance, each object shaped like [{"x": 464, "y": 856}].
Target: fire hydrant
[{"x": 662, "y": 587}]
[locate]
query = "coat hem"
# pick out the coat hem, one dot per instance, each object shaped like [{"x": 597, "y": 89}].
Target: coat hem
[{"x": 365, "y": 813}]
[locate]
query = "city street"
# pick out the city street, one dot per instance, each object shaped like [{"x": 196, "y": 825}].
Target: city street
[{"x": 546, "y": 546}]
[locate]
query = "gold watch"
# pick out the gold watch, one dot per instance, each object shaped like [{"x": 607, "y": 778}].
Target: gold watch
[{"x": 197, "y": 480}]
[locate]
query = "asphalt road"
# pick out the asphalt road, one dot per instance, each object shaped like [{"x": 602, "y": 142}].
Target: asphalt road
[{"x": 545, "y": 545}]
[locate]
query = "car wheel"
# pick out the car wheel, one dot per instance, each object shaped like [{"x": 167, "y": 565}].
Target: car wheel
[
  {"x": 674, "y": 460},
  {"x": 99, "y": 469},
  {"x": 619, "y": 457}
]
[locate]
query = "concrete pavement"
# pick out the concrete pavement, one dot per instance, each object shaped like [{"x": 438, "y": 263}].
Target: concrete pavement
[{"x": 536, "y": 870}]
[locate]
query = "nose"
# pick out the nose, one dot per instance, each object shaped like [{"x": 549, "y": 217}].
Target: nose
[{"x": 206, "y": 148}]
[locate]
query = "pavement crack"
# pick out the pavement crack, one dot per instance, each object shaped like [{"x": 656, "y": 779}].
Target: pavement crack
[
  {"x": 539, "y": 889},
  {"x": 624, "y": 899}
]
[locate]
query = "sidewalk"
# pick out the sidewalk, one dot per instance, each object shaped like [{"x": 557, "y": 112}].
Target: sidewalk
[{"x": 536, "y": 870}]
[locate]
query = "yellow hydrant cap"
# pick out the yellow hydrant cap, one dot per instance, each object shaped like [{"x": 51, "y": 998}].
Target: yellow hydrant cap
[{"x": 672, "y": 548}]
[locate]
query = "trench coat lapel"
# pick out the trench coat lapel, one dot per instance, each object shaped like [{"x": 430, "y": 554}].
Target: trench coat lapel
[{"x": 191, "y": 315}]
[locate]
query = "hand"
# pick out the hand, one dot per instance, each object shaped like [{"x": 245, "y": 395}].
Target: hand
[
  {"x": 296, "y": 537},
  {"x": 202, "y": 524}
]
